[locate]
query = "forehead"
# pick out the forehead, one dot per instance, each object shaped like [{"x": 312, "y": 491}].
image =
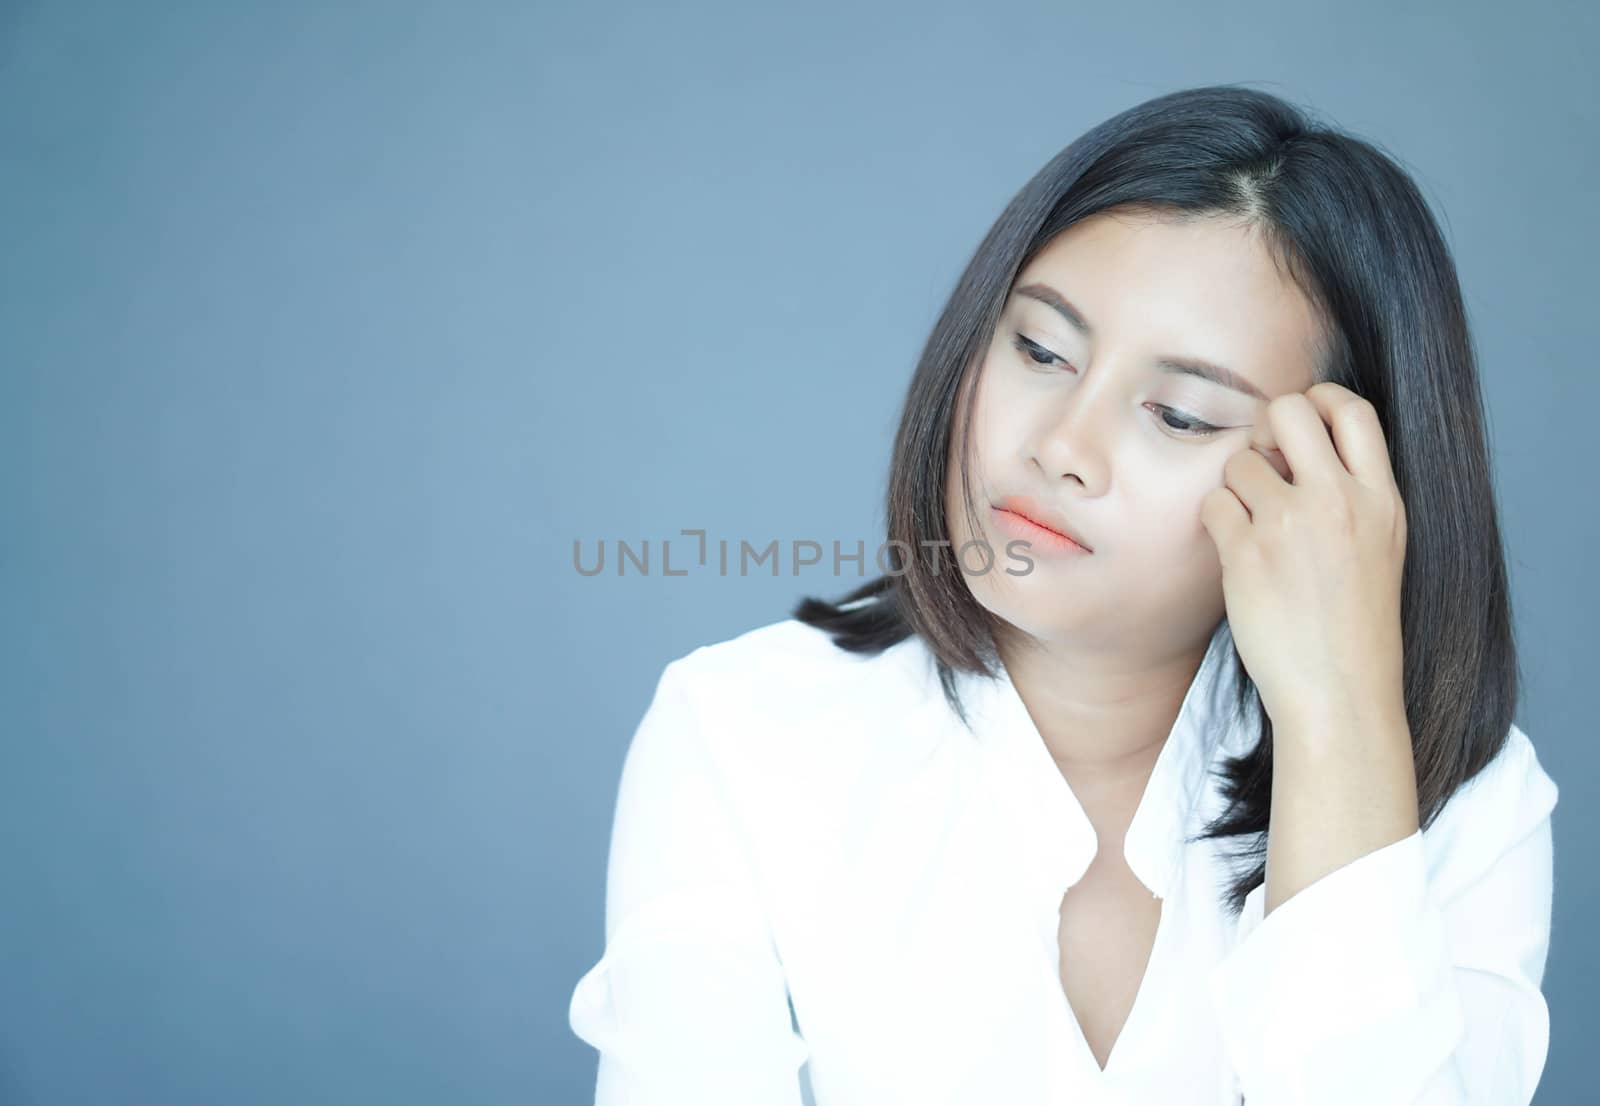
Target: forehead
[{"x": 1203, "y": 287}]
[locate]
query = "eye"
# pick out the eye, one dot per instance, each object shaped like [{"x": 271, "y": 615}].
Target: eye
[
  {"x": 1179, "y": 422},
  {"x": 1036, "y": 353},
  {"x": 1185, "y": 424}
]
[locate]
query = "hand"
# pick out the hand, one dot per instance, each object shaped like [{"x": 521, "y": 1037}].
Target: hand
[{"x": 1312, "y": 544}]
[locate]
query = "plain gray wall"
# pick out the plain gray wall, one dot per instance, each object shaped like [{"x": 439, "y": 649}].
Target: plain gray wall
[{"x": 326, "y": 329}]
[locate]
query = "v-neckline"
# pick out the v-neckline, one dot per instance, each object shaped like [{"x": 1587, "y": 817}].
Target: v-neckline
[{"x": 1149, "y": 980}]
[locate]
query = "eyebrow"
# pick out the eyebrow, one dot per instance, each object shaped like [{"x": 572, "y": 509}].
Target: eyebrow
[{"x": 1191, "y": 366}]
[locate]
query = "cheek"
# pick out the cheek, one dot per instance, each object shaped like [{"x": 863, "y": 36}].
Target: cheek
[
  {"x": 991, "y": 432},
  {"x": 1003, "y": 407},
  {"x": 958, "y": 526},
  {"x": 1166, "y": 503}
]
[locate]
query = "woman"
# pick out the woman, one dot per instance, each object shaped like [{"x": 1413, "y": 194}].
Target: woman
[{"x": 1191, "y": 535}]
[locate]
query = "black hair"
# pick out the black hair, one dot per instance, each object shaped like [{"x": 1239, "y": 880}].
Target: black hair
[{"x": 1350, "y": 227}]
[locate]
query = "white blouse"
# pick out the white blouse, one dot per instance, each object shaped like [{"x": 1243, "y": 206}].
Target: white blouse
[{"x": 823, "y": 889}]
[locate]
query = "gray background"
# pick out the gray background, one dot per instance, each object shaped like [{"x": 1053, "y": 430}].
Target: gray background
[{"x": 326, "y": 329}]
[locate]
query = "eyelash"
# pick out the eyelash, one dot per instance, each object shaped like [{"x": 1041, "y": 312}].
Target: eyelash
[{"x": 1193, "y": 428}]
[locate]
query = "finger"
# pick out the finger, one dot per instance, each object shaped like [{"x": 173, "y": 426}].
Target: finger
[
  {"x": 1279, "y": 463},
  {"x": 1225, "y": 519},
  {"x": 1304, "y": 438},
  {"x": 1253, "y": 480},
  {"x": 1357, "y": 432},
  {"x": 1264, "y": 441}
]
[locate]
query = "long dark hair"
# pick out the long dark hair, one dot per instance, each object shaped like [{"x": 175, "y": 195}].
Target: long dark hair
[{"x": 1352, "y": 230}]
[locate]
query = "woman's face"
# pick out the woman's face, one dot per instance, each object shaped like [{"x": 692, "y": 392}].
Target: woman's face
[{"x": 1077, "y": 415}]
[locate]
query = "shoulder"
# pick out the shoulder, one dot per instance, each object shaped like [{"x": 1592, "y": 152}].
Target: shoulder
[
  {"x": 800, "y": 731},
  {"x": 786, "y": 647},
  {"x": 791, "y": 673},
  {"x": 1511, "y": 799}
]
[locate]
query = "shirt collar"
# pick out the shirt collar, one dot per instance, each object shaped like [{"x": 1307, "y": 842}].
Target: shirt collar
[{"x": 1163, "y": 820}]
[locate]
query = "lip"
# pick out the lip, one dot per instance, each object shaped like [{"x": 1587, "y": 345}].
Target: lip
[{"x": 1033, "y": 522}]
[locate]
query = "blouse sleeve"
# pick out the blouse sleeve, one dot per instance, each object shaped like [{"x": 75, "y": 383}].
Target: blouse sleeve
[
  {"x": 1376, "y": 984},
  {"x": 688, "y": 1003}
]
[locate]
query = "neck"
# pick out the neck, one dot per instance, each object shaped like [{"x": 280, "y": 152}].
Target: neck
[{"x": 1103, "y": 717}]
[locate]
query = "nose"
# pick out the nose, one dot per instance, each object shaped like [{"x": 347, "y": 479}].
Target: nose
[{"x": 1075, "y": 441}]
